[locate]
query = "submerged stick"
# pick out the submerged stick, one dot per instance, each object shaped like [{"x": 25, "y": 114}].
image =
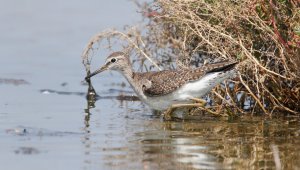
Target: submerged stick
[{"x": 91, "y": 95}]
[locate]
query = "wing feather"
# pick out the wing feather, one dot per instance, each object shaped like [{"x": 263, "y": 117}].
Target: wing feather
[{"x": 167, "y": 81}]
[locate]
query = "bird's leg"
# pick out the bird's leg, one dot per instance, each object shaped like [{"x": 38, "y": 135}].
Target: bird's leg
[
  {"x": 167, "y": 115},
  {"x": 199, "y": 101}
]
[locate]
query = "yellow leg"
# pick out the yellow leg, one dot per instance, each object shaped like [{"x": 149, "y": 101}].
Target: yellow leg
[
  {"x": 167, "y": 115},
  {"x": 200, "y": 103},
  {"x": 198, "y": 100}
]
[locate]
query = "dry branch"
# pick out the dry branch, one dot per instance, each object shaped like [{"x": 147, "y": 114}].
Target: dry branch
[{"x": 264, "y": 35}]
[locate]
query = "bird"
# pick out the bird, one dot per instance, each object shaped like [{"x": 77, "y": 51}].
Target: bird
[{"x": 166, "y": 90}]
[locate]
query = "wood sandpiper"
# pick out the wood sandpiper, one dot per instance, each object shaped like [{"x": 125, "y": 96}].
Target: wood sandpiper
[{"x": 169, "y": 89}]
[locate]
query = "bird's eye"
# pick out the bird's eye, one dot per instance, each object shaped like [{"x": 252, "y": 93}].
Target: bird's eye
[{"x": 113, "y": 60}]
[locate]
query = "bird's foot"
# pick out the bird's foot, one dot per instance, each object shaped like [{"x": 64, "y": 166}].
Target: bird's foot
[{"x": 167, "y": 115}]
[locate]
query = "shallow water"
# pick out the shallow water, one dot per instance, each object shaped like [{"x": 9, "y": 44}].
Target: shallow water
[{"x": 45, "y": 123}]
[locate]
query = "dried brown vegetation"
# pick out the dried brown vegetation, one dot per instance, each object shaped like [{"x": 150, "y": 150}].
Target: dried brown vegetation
[{"x": 263, "y": 35}]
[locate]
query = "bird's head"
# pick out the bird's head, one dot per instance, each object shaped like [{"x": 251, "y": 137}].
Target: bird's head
[{"x": 117, "y": 61}]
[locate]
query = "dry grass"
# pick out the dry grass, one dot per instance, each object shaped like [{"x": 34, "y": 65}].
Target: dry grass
[{"x": 264, "y": 35}]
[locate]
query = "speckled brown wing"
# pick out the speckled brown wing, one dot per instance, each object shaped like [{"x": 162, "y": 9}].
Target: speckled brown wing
[{"x": 165, "y": 82}]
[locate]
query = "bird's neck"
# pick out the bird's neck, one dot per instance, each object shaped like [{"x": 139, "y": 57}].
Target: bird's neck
[
  {"x": 132, "y": 79},
  {"x": 128, "y": 73}
]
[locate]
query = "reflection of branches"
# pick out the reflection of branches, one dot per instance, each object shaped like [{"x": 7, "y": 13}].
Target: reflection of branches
[
  {"x": 91, "y": 96},
  {"x": 232, "y": 143}
]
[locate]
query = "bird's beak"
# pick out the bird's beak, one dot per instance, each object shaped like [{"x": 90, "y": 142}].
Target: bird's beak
[{"x": 103, "y": 68}]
